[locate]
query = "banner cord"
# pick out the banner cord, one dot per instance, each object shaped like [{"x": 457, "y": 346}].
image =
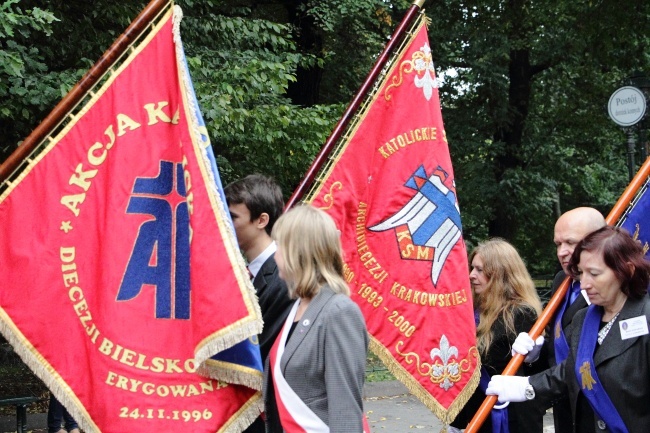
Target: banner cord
[{"x": 363, "y": 109}]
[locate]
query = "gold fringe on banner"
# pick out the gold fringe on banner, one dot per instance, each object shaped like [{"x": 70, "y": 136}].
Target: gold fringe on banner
[
  {"x": 400, "y": 373},
  {"x": 245, "y": 416},
  {"x": 411, "y": 383},
  {"x": 243, "y": 329},
  {"x": 41, "y": 368}
]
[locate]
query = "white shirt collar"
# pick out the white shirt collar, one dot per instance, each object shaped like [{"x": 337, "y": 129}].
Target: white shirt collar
[
  {"x": 583, "y": 292},
  {"x": 255, "y": 265}
]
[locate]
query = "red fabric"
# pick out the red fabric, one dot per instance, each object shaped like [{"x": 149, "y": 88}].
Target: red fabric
[
  {"x": 289, "y": 424},
  {"x": 117, "y": 363},
  {"x": 366, "y": 425},
  {"x": 390, "y": 159}
]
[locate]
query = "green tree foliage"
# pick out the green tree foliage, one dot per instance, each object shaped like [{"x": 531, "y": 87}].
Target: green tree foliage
[
  {"x": 242, "y": 68},
  {"x": 526, "y": 84},
  {"x": 259, "y": 68},
  {"x": 524, "y": 109},
  {"x": 56, "y": 43},
  {"x": 21, "y": 63},
  {"x": 274, "y": 77}
]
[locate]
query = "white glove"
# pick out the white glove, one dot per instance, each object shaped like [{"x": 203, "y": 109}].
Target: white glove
[
  {"x": 508, "y": 388},
  {"x": 524, "y": 345}
]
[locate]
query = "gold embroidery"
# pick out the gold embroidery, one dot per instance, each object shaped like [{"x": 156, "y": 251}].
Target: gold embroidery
[
  {"x": 635, "y": 236},
  {"x": 329, "y": 198},
  {"x": 445, "y": 371},
  {"x": 588, "y": 381},
  {"x": 396, "y": 81}
]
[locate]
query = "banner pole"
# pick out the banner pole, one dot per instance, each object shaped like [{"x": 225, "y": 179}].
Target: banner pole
[
  {"x": 327, "y": 148},
  {"x": 619, "y": 208},
  {"x": 79, "y": 91},
  {"x": 630, "y": 192}
]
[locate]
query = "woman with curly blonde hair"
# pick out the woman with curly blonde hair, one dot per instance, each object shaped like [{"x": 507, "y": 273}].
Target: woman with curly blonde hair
[{"x": 505, "y": 304}]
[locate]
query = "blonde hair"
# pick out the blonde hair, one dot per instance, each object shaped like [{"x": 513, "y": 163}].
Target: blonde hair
[
  {"x": 310, "y": 245},
  {"x": 509, "y": 287}
]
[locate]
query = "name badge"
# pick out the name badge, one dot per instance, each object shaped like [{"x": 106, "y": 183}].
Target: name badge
[{"x": 633, "y": 327}]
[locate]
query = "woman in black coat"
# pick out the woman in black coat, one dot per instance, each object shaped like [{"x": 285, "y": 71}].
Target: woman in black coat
[
  {"x": 506, "y": 304},
  {"x": 607, "y": 373}
]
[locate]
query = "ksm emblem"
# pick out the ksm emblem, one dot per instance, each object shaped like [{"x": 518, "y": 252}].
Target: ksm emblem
[{"x": 428, "y": 226}]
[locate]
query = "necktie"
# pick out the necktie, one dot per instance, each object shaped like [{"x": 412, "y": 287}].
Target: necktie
[
  {"x": 575, "y": 291},
  {"x": 250, "y": 275}
]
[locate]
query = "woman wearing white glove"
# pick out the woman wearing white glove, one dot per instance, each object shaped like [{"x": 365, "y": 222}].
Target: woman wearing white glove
[
  {"x": 524, "y": 345},
  {"x": 607, "y": 372},
  {"x": 507, "y": 303}
]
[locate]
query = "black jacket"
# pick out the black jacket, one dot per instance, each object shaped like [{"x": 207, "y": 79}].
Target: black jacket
[
  {"x": 562, "y": 418},
  {"x": 274, "y": 302},
  {"x": 623, "y": 367},
  {"x": 522, "y": 417}
]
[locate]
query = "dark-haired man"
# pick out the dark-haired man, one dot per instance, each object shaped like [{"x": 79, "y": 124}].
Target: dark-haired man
[{"x": 255, "y": 203}]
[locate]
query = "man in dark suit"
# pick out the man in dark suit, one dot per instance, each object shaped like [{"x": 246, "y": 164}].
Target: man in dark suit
[
  {"x": 570, "y": 229},
  {"x": 255, "y": 203}
]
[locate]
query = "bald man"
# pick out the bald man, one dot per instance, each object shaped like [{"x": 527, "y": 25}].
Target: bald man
[{"x": 570, "y": 229}]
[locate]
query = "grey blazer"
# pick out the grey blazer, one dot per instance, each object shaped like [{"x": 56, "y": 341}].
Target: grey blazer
[
  {"x": 623, "y": 367},
  {"x": 324, "y": 363}
]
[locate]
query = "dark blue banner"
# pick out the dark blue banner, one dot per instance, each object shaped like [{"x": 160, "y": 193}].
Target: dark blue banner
[{"x": 637, "y": 219}]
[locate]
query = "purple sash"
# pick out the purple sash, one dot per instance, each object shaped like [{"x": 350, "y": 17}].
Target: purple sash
[
  {"x": 499, "y": 415},
  {"x": 587, "y": 377},
  {"x": 559, "y": 340}
]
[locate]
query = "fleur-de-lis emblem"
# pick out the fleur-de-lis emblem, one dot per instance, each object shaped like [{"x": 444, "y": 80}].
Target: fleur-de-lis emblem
[
  {"x": 425, "y": 76},
  {"x": 448, "y": 372},
  {"x": 423, "y": 64},
  {"x": 446, "y": 368}
]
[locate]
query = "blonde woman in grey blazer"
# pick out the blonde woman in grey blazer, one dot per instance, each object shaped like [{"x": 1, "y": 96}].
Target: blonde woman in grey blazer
[{"x": 315, "y": 373}]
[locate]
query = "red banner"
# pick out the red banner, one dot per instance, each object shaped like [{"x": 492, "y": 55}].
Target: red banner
[
  {"x": 121, "y": 275},
  {"x": 390, "y": 188}
]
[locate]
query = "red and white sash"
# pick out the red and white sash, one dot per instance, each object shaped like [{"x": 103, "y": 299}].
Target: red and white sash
[{"x": 295, "y": 416}]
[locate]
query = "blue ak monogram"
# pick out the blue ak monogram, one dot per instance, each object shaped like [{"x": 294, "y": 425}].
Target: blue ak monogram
[{"x": 161, "y": 253}]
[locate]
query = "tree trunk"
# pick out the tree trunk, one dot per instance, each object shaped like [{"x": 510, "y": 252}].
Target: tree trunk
[
  {"x": 504, "y": 222},
  {"x": 305, "y": 91}
]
